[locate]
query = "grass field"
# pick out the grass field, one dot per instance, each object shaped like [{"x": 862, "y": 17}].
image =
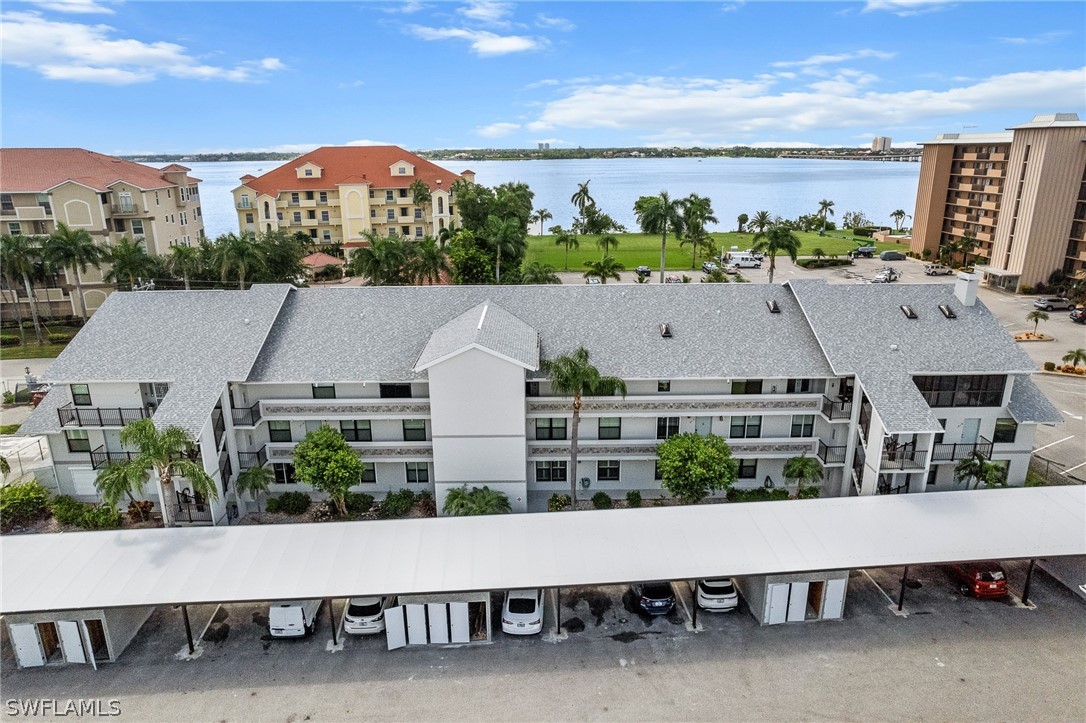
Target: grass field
[
  {"x": 30, "y": 349},
  {"x": 636, "y": 249}
]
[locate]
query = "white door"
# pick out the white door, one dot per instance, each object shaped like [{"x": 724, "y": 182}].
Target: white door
[
  {"x": 797, "y": 602},
  {"x": 776, "y": 603},
  {"x": 83, "y": 480},
  {"x": 71, "y": 642},
  {"x": 703, "y": 425},
  {"x": 438, "y": 614},
  {"x": 970, "y": 430},
  {"x": 395, "y": 630},
  {"x": 458, "y": 621},
  {"x": 416, "y": 624},
  {"x": 24, "y": 637},
  {"x": 834, "y": 607},
  {"x": 113, "y": 440},
  {"x": 87, "y": 643}
]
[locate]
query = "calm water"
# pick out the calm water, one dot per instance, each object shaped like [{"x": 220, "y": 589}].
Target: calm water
[{"x": 783, "y": 187}]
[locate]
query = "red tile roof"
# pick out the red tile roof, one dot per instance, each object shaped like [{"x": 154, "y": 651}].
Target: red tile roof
[
  {"x": 345, "y": 164},
  {"x": 175, "y": 167},
  {"x": 320, "y": 259},
  {"x": 34, "y": 170}
]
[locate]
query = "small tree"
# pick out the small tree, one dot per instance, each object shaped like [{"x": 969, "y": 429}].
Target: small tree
[
  {"x": 693, "y": 465},
  {"x": 116, "y": 481},
  {"x": 168, "y": 453},
  {"x": 977, "y": 468},
  {"x": 480, "y": 501},
  {"x": 803, "y": 470},
  {"x": 606, "y": 268},
  {"x": 325, "y": 461},
  {"x": 255, "y": 481},
  {"x": 1074, "y": 357},
  {"x": 1036, "y": 316},
  {"x": 742, "y": 219}
]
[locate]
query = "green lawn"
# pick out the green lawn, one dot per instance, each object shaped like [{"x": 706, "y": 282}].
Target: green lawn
[
  {"x": 30, "y": 349},
  {"x": 636, "y": 249}
]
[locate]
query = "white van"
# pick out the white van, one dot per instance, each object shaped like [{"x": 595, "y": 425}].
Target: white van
[
  {"x": 744, "y": 260},
  {"x": 293, "y": 618}
]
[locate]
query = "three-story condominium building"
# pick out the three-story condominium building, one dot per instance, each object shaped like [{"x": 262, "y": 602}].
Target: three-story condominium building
[
  {"x": 336, "y": 194},
  {"x": 108, "y": 197},
  {"x": 437, "y": 387},
  {"x": 1020, "y": 194}
]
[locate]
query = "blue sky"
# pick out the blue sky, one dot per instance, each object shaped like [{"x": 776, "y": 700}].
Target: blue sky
[{"x": 132, "y": 77}]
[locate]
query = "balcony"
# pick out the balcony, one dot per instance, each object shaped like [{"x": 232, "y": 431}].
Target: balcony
[
  {"x": 245, "y": 205},
  {"x": 246, "y": 416},
  {"x": 73, "y": 416},
  {"x": 904, "y": 459},
  {"x": 346, "y": 408},
  {"x": 248, "y": 460},
  {"x": 682, "y": 405},
  {"x": 385, "y": 451},
  {"x": 100, "y": 457},
  {"x": 126, "y": 209},
  {"x": 944, "y": 452},
  {"x": 646, "y": 448},
  {"x": 191, "y": 510},
  {"x": 831, "y": 455}
]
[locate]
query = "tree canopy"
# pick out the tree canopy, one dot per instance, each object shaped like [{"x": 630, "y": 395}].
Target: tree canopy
[
  {"x": 325, "y": 461},
  {"x": 693, "y": 465}
]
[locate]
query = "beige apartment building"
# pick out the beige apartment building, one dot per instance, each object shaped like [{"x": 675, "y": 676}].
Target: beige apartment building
[
  {"x": 336, "y": 194},
  {"x": 1021, "y": 194},
  {"x": 108, "y": 197}
]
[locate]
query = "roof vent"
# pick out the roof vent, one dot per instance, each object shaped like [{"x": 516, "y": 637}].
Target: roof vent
[
  {"x": 908, "y": 311},
  {"x": 773, "y": 308},
  {"x": 665, "y": 331},
  {"x": 947, "y": 311}
]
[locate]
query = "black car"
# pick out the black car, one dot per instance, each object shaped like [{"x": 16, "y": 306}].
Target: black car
[
  {"x": 643, "y": 271},
  {"x": 1079, "y": 315},
  {"x": 655, "y": 598}
]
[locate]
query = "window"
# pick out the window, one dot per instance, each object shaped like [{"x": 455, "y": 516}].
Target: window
[
  {"x": 326, "y": 235},
  {"x": 390, "y": 196},
  {"x": 802, "y": 425},
  {"x": 184, "y": 219},
  {"x": 118, "y": 225},
  {"x": 390, "y": 214},
  {"x": 6, "y": 204},
  {"x": 666, "y": 427},
  {"x": 799, "y": 386},
  {"x": 78, "y": 440},
  {"x": 747, "y": 386},
  {"x": 14, "y": 228},
  {"x": 414, "y": 430},
  {"x": 356, "y": 430},
  {"x": 395, "y": 391},
  {"x": 610, "y": 428},
  {"x": 607, "y": 470},
  {"x": 369, "y": 473},
  {"x": 324, "y": 391},
  {"x": 550, "y": 428},
  {"x": 1005, "y": 431},
  {"x": 311, "y": 215},
  {"x": 323, "y": 196},
  {"x": 403, "y": 192},
  {"x": 405, "y": 230},
  {"x": 972, "y": 390},
  {"x": 81, "y": 395},
  {"x": 748, "y": 468},
  {"x": 244, "y": 200},
  {"x": 531, "y": 389},
  {"x": 312, "y": 233},
  {"x": 284, "y": 474},
  {"x": 297, "y": 217},
  {"x": 324, "y": 216},
  {"x": 295, "y": 199},
  {"x": 373, "y": 213},
  {"x": 309, "y": 171},
  {"x": 137, "y": 227},
  {"x": 749, "y": 427},
  {"x": 418, "y": 232},
  {"x": 440, "y": 204},
  {"x": 551, "y": 471},
  {"x": 417, "y": 473},
  {"x": 663, "y": 386},
  {"x": 279, "y": 432},
  {"x": 401, "y": 170},
  {"x": 312, "y": 425},
  {"x": 403, "y": 211},
  {"x": 373, "y": 194},
  {"x": 418, "y": 214}
]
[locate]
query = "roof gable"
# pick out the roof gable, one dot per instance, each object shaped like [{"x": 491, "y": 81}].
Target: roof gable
[{"x": 488, "y": 328}]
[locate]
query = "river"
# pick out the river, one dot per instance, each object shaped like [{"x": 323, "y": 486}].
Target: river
[{"x": 784, "y": 187}]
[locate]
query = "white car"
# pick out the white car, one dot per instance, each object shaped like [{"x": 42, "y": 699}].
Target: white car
[
  {"x": 672, "y": 279},
  {"x": 592, "y": 280},
  {"x": 366, "y": 615},
  {"x": 717, "y": 594},
  {"x": 731, "y": 269},
  {"x": 522, "y": 612}
]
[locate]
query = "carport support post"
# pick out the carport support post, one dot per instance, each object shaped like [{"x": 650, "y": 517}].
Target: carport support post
[
  {"x": 558, "y": 608},
  {"x": 332, "y": 620},
  {"x": 695, "y": 605},
  {"x": 901, "y": 595},
  {"x": 188, "y": 629},
  {"x": 1029, "y": 579}
]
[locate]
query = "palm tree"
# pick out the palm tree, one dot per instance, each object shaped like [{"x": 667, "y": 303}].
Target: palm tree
[
  {"x": 128, "y": 259},
  {"x": 976, "y": 467},
  {"x": 537, "y": 273},
  {"x": 506, "y": 237},
  {"x": 480, "y": 501},
  {"x": 1036, "y": 317},
  {"x": 1075, "y": 357},
  {"x": 824, "y": 207},
  {"x": 697, "y": 211},
  {"x": 605, "y": 268},
  {"x": 582, "y": 198},
  {"x": 120, "y": 480},
  {"x": 607, "y": 242},
  {"x": 567, "y": 239},
  {"x": 184, "y": 261},
  {"x": 19, "y": 255},
  {"x": 238, "y": 253},
  {"x": 804, "y": 470},
  {"x": 899, "y": 218},
  {"x": 776, "y": 240},
  {"x": 572, "y": 375},
  {"x": 742, "y": 219},
  {"x": 255, "y": 481},
  {"x": 74, "y": 250},
  {"x": 541, "y": 216},
  {"x": 761, "y": 221},
  {"x": 965, "y": 246},
  {"x": 382, "y": 262},
  {"x": 660, "y": 214},
  {"x": 168, "y": 453},
  {"x": 420, "y": 193},
  {"x": 818, "y": 253},
  {"x": 428, "y": 261},
  {"x": 5, "y": 467}
]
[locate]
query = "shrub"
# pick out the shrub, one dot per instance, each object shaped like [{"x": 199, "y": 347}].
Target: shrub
[
  {"x": 10, "y": 340},
  {"x": 358, "y": 503},
  {"x": 23, "y": 503},
  {"x": 141, "y": 510},
  {"x": 602, "y": 501},
  {"x": 67, "y": 510},
  {"x": 1050, "y": 366},
  {"x": 758, "y": 494},
  {"x": 1080, "y": 371},
  {"x": 926, "y": 253},
  {"x": 60, "y": 338},
  {"x": 809, "y": 493},
  {"x": 290, "y": 503},
  {"x": 397, "y": 504},
  {"x": 1068, "y": 368},
  {"x": 100, "y": 517},
  {"x": 9, "y": 398},
  {"x": 28, "y": 323},
  {"x": 558, "y": 502},
  {"x": 1028, "y": 290},
  {"x": 633, "y": 498},
  {"x": 426, "y": 502}
]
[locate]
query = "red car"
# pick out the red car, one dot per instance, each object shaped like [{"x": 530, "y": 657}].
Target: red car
[{"x": 981, "y": 579}]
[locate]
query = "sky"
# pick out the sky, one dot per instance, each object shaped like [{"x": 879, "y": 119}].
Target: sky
[{"x": 189, "y": 77}]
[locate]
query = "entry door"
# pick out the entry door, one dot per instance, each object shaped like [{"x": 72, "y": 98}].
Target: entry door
[
  {"x": 416, "y": 624},
  {"x": 834, "y": 607},
  {"x": 797, "y": 602},
  {"x": 458, "y": 621},
  {"x": 438, "y": 621},
  {"x": 113, "y": 440},
  {"x": 703, "y": 425},
  {"x": 24, "y": 637},
  {"x": 970, "y": 430},
  {"x": 395, "y": 627},
  {"x": 71, "y": 642},
  {"x": 776, "y": 603}
]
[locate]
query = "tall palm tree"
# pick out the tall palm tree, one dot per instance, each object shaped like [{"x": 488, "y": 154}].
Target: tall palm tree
[
  {"x": 825, "y": 208},
  {"x": 19, "y": 255},
  {"x": 420, "y": 193},
  {"x": 74, "y": 250},
  {"x": 1074, "y": 357},
  {"x": 778, "y": 239},
  {"x": 899, "y": 218},
  {"x": 255, "y": 481},
  {"x": 241, "y": 254},
  {"x": 506, "y": 237},
  {"x": 660, "y": 214},
  {"x": 605, "y": 268},
  {"x": 184, "y": 261},
  {"x": 804, "y": 470},
  {"x": 572, "y": 375},
  {"x": 119, "y": 480},
  {"x": 480, "y": 501},
  {"x": 965, "y": 246},
  {"x": 582, "y": 197},
  {"x": 1036, "y": 316},
  {"x": 427, "y": 261},
  {"x": 697, "y": 239},
  {"x": 567, "y": 239},
  {"x": 541, "y": 216},
  {"x": 167, "y": 452},
  {"x": 382, "y": 262},
  {"x": 761, "y": 221},
  {"x": 128, "y": 259},
  {"x": 697, "y": 211},
  {"x": 742, "y": 220},
  {"x": 607, "y": 242},
  {"x": 537, "y": 273}
]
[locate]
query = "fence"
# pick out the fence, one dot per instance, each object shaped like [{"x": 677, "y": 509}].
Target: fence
[
  {"x": 27, "y": 460},
  {"x": 1053, "y": 472}
]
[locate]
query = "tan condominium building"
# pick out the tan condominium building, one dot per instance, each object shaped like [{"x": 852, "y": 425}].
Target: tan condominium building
[
  {"x": 1021, "y": 194},
  {"x": 107, "y": 197},
  {"x": 336, "y": 194}
]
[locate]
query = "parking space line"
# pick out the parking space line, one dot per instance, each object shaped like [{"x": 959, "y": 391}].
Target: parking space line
[
  {"x": 879, "y": 587},
  {"x": 686, "y": 611},
  {"x": 1052, "y": 444},
  {"x": 1071, "y": 469}
]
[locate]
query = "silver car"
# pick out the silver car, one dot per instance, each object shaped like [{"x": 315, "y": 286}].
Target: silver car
[
  {"x": 1048, "y": 303},
  {"x": 717, "y": 594},
  {"x": 366, "y": 615}
]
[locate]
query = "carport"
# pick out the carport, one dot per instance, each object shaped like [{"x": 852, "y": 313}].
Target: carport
[{"x": 132, "y": 568}]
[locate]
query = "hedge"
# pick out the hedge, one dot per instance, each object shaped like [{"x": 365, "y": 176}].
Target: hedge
[
  {"x": 602, "y": 501},
  {"x": 23, "y": 503},
  {"x": 397, "y": 504},
  {"x": 821, "y": 263},
  {"x": 289, "y": 503},
  {"x": 10, "y": 340}
]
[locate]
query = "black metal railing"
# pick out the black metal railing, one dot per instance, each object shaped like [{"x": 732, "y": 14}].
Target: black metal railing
[
  {"x": 947, "y": 452},
  {"x": 218, "y": 425},
  {"x": 191, "y": 508},
  {"x": 71, "y": 415},
  {"x": 904, "y": 459},
  {"x": 836, "y": 409},
  {"x": 246, "y": 416},
  {"x": 247, "y": 460},
  {"x": 100, "y": 457},
  {"x": 225, "y": 470},
  {"x": 831, "y": 455},
  {"x": 884, "y": 488}
]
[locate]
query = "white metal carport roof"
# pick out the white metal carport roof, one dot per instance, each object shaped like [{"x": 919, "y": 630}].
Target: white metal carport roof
[{"x": 273, "y": 562}]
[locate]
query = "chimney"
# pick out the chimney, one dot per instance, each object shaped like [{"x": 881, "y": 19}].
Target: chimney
[{"x": 965, "y": 288}]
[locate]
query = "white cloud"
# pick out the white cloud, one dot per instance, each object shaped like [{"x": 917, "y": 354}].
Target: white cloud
[
  {"x": 408, "y": 7},
  {"x": 497, "y": 130},
  {"x": 72, "y": 51},
  {"x": 352, "y": 84},
  {"x": 81, "y": 7},
  {"x": 826, "y": 59},
  {"x": 1041, "y": 39},
  {"x": 542, "y": 83},
  {"x": 482, "y": 42},
  {"x": 544, "y": 21},
  {"x": 733, "y": 6},
  {"x": 487, "y": 12},
  {"x": 367, "y": 142},
  {"x": 905, "y": 8}
]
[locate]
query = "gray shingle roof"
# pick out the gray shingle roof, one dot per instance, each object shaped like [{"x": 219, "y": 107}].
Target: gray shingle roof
[
  {"x": 44, "y": 419},
  {"x": 487, "y": 326},
  {"x": 1029, "y": 404}
]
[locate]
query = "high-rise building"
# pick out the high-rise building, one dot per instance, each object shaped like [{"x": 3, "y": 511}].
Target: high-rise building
[
  {"x": 880, "y": 144},
  {"x": 1020, "y": 194}
]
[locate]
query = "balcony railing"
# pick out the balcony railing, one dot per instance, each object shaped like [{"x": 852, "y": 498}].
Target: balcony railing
[
  {"x": 836, "y": 409},
  {"x": 831, "y": 455},
  {"x": 72, "y": 416},
  {"x": 945, "y": 452},
  {"x": 218, "y": 426},
  {"x": 125, "y": 209},
  {"x": 248, "y": 460},
  {"x": 904, "y": 459},
  {"x": 246, "y": 416},
  {"x": 245, "y": 205},
  {"x": 191, "y": 509},
  {"x": 100, "y": 457},
  {"x": 225, "y": 470}
]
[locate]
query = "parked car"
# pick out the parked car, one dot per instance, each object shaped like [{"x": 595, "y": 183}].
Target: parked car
[
  {"x": 655, "y": 598},
  {"x": 1079, "y": 315},
  {"x": 592, "y": 280},
  {"x": 522, "y": 612},
  {"x": 709, "y": 267},
  {"x": 892, "y": 256},
  {"x": 937, "y": 270},
  {"x": 885, "y": 276},
  {"x": 673, "y": 279},
  {"x": 293, "y": 618},
  {"x": 643, "y": 271},
  {"x": 756, "y": 254},
  {"x": 717, "y": 594},
  {"x": 981, "y": 579},
  {"x": 730, "y": 269},
  {"x": 1048, "y": 303},
  {"x": 366, "y": 615}
]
